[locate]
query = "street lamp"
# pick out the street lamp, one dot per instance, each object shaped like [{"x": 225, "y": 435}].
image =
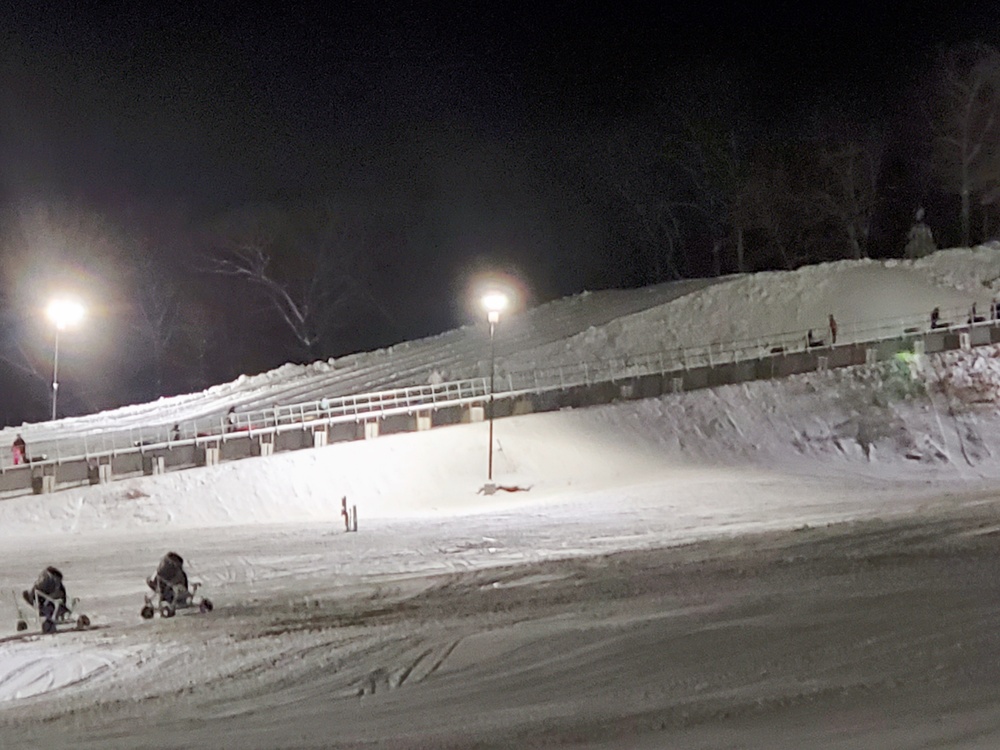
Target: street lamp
[
  {"x": 63, "y": 313},
  {"x": 494, "y": 303}
]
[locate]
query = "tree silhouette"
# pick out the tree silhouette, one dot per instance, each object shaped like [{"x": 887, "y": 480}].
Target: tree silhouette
[{"x": 966, "y": 124}]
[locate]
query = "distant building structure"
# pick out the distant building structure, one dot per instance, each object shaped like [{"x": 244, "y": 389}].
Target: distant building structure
[{"x": 920, "y": 240}]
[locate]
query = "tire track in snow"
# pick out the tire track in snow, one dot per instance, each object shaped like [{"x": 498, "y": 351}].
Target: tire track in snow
[
  {"x": 36, "y": 670},
  {"x": 426, "y": 663}
]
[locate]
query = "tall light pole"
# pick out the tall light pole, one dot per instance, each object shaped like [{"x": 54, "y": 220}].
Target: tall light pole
[
  {"x": 63, "y": 313},
  {"x": 494, "y": 303}
]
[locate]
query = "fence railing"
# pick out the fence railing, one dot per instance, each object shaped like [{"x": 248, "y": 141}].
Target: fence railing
[
  {"x": 274, "y": 420},
  {"x": 508, "y": 383},
  {"x": 685, "y": 358}
]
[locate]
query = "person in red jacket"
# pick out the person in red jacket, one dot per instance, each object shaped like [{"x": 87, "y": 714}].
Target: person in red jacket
[{"x": 20, "y": 451}]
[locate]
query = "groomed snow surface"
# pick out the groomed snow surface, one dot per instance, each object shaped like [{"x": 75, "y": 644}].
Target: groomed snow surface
[{"x": 803, "y": 563}]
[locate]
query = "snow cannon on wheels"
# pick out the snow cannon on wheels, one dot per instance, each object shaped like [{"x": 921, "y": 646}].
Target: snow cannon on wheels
[
  {"x": 171, "y": 592},
  {"x": 63, "y": 614},
  {"x": 50, "y": 604},
  {"x": 167, "y": 599}
]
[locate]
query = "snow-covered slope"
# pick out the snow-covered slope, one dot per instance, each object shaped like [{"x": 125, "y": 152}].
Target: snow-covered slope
[
  {"x": 797, "y": 563},
  {"x": 762, "y": 307}
]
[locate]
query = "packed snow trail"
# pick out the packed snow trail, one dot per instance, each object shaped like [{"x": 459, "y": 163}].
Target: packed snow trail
[{"x": 875, "y": 633}]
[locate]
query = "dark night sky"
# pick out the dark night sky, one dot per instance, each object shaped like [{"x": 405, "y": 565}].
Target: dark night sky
[
  {"x": 217, "y": 105},
  {"x": 200, "y": 109}
]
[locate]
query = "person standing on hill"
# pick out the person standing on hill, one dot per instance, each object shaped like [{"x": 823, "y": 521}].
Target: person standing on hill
[
  {"x": 833, "y": 329},
  {"x": 19, "y": 451}
]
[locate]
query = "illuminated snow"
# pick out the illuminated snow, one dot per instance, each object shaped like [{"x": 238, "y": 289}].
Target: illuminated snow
[{"x": 777, "y": 564}]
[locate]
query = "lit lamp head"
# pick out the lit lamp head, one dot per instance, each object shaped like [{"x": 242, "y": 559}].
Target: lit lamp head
[
  {"x": 64, "y": 313},
  {"x": 495, "y": 303}
]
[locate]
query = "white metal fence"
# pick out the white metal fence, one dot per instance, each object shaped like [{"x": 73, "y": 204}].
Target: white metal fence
[{"x": 430, "y": 397}]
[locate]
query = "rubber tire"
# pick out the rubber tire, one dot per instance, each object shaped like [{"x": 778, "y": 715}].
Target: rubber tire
[
  {"x": 21, "y": 626},
  {"x": 48, "y": 626},
  {"x": 167, "y": 611},
  {"x": 205, "y": 606},
  {"x": 147, "y": 612},
  {"x": 82, "y": 622}
]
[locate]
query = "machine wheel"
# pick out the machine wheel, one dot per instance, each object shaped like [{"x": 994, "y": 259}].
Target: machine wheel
[
  {"x": 21, "y": 626},
  {"x": 205, "y": 606},
  {"x": 166, "y": 610},
  {"x": 147, "y": 612},
  {"x": 48, "y": 626},
  {"x": 82, "y": 622}
]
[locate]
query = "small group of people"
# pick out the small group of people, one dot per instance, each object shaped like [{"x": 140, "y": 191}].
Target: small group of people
[
  {"x": 48, "y": 595},
  {"x": 973, "y": 318}
]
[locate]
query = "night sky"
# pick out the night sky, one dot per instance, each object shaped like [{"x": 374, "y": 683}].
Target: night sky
[{"x": 479, "y": 131}]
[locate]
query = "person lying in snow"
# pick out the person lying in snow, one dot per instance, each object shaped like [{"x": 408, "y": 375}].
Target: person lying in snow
[
  {"x": 170, "y": 580},
  {"x": 48, "y": 595}
]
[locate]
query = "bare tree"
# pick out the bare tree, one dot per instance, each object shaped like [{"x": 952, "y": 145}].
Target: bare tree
[
  {"x": 771, "y": 209},
  {"x": 156, "y": 309},
  {"x": 642, "y": 179},
  {"x": 251, "y": 241},
  {"x": 845, "y": 178},
  {"x": 966, "y": 125},
  {"x": 717, "y": 168},
  {"x": 706, "y": 116},
  {"x": 307, "y": 265}
]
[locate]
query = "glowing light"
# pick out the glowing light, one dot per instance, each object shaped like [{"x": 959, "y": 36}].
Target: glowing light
[
  {"x": 493, "y": 291},
  {"x": 495, "y": 303},
  {"x": 64, "y": 313}
]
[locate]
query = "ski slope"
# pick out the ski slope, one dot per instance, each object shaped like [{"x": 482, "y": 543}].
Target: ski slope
[{"x": 781, "y": 564}]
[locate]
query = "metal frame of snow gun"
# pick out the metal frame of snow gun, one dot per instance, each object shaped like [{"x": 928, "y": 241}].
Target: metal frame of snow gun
[
  {"x": 61, "y": 613},
  {"x": 178, "y": 600}
]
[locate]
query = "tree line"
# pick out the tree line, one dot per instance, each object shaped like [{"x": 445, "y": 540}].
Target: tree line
[
  {"x": 720, "y": 188},
  {"x": 699, "y": 180}
]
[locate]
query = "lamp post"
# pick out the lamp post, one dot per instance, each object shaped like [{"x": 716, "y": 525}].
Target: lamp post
[
  {"x": 495, "y": 303},
  {"x": 63, "y": 313}
]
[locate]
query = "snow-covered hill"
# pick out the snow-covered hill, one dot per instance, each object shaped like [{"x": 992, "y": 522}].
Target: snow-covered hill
[
  {"x": 811, "y": 556},
  {"x": 764, "y": 307}
]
